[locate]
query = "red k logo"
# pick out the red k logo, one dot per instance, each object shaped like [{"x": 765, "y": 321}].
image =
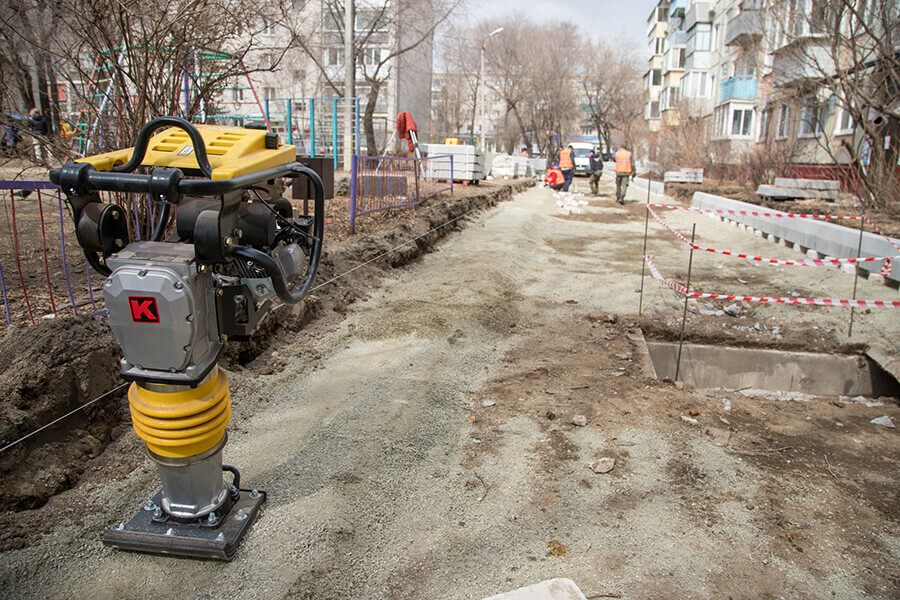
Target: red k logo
[{"x": 143, "y": 309}]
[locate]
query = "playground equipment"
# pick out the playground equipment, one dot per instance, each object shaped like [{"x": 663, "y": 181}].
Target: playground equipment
[{"x": 208, "y": 273}]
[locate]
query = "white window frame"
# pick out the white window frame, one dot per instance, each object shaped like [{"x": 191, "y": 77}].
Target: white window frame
[
  {"x": 764, "y": 118},
  {"x": 812, "y": 111},
  {"x": 703, "y": 28},
  {"x": 783, "y": 125},
  {"x": 745, "y": 123},
  {"x": 841, "y": 114}
]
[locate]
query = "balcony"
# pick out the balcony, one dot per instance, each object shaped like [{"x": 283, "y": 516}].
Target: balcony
[
  {"x": 700, "y": 12},
  {"x": 745, "y": 29},
  {"x": 804, "y": 60},
  {"x": 677, "y": 39},
  {"x": 741, "y": 87}
]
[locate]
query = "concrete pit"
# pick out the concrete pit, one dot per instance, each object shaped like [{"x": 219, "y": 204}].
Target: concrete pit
[{"x": 828, "y": 375}]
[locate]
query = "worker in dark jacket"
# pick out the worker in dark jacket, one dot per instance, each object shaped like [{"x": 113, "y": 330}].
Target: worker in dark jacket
[
  {"x": 596, "y": 170},
  {"x": 39, "y": 131}
]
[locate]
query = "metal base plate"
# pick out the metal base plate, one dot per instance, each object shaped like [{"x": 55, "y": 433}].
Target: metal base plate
[{"x": 143, "y": 534}]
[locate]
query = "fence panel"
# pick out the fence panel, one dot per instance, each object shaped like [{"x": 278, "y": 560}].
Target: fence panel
[
  {"x": 384, "y": 182},
  {"x": 43, "y": 272},
  {"x": 318, "y": 126}
]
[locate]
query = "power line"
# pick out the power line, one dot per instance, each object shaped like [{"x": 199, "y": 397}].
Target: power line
[{"x": 68, "y": 414}]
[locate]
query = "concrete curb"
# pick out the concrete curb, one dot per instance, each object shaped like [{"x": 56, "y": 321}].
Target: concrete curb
[
  {"x": 657, "y": 187},
  {"x": 807, "y": 235}
]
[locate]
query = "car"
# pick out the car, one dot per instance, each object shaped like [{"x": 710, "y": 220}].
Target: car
[{"x": 582, "y": 159}]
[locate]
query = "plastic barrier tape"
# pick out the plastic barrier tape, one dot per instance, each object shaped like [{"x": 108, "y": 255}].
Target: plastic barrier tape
[{"x": 684, "y": 291}]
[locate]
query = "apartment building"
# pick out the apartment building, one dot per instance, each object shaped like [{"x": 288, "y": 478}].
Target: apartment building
[
  {"x": 761, "y": 73},
  {"x": 657, "y": 32},
  {"x": 301, "y": 54}
]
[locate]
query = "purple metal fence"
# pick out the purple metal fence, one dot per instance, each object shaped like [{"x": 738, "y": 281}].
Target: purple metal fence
[
  {"x": 384, "y": 182},
  {"x": 51, "y": 277}
]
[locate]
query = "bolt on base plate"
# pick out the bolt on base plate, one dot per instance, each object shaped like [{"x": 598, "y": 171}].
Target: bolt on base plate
[{"x": 143, "y": 534}]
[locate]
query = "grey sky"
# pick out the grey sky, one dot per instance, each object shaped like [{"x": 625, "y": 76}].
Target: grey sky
[{"x": 610, "y": 19}]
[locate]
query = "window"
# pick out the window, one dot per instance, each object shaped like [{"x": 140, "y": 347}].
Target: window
[
  {"x": 658, "y": 46},
  {"x": 372, "y": 56},
  {"x": 783, "y": 128},
  {"x": 719, "y": 122},
  {"x": 764, "y": 124},
  {"x": 268, "y": 93},
  {"x": 671, "y": 97},
  {"x": 812, "y": 117},
  {"x": 844, "y": 122},
  {"x": 818, "y": 16},
  {"x": 335, "y": 56},
  {"x": 268, "y": 26},
  {"x": 662, "y": 14},
  {"x": 741, "y": 121},
  {"x": 372, "y": 19},
  {"x": 237, "y": 94},
  {"x": 653, "y": 110},
  {"x": 679, "y": 58},
  {"x": 657, "y": 76},
  {"x": 696, "y": 85},
  {"x": 702, "y": 37}
]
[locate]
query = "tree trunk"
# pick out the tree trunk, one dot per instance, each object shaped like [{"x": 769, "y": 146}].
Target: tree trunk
[{"x": 368, "y": 117}]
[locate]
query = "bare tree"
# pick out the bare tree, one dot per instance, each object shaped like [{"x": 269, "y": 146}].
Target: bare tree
[
  {"x": 530, "y": 68},
  {"x": 386, "y": 30},
  {"x": 126, "y": 61},
  {"x": 611, "y": 83},
  {"x": 837, "y": 65}
]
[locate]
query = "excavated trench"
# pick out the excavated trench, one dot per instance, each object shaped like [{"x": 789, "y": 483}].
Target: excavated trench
[{"x": 814, "y": 374}]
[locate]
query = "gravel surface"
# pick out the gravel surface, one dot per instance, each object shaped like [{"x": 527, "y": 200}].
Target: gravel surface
[{"x": 425, "y": 446}]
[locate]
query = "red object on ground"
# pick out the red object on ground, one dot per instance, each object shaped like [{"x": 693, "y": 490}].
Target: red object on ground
[{"x": 405, "y": 124}]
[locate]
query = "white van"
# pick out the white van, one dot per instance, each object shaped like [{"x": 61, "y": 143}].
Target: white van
[{"x": 582, "y": 160}]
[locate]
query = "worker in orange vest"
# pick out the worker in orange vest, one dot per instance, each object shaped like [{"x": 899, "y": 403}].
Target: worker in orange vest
[
  {"x": 624, "y": 170},
  {"x": 567, "y": 165},
  {"x": 554, "y": 178}
]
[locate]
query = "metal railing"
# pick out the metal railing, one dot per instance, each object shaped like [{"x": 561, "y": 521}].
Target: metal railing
[
  {"x": 43, "y": 272},
  {"x": 739, "y": 87},
  {"x": 384, "y": 182}
]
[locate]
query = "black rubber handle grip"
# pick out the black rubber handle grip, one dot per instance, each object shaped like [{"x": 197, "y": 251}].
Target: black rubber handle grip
[{"x": 143, "y": 140}]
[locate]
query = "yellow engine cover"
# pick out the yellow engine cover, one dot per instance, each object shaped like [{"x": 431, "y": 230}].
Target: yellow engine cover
[{"x": 232, "y": 151}]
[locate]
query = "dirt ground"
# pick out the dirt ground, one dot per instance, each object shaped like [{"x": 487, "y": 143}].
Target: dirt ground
[{"x": 431, "y": 434}]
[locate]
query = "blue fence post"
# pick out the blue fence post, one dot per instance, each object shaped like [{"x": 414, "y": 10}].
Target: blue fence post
[
  {"x": 357, "y": 125},
  {"x": 290, "y": 122},
  {"x": 334, "y": 132},
  {"x": 268, "y": 120},
  {"x": 354, "y": 159},
  {"x": 312, "y": 126}
]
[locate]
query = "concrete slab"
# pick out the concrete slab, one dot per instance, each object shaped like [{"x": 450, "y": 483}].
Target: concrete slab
[
  {"x": 810, "y": 184},
  {"x": 657, "y": 187},
  {"x": 552, "y": 589}
]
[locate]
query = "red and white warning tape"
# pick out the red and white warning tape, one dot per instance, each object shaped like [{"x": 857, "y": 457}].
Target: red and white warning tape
[
  {"x": 827, "y": 262},
  {"x": 684, "y": 291}
]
